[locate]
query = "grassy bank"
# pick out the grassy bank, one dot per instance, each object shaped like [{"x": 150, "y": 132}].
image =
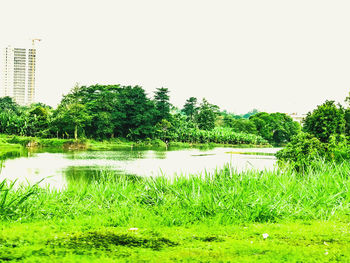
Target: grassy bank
[
  {"x": 224, "y": 197},
  {"x": 212, "y": 217},
  {"x": 117, "y": 143},
  {"x": 24, "y": 141},
  {"x": 7, "y": 148}
]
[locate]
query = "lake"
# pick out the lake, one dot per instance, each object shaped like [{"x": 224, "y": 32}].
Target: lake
[{"x": 60, "y": 168}]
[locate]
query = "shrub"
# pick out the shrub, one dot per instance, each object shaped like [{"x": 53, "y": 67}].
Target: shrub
[{"x": 306, "y": 148}]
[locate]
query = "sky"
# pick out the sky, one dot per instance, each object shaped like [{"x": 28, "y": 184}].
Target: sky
[{"x": 272, "y": 55}]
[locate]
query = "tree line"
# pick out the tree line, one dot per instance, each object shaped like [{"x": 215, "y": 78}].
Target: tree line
[{"x": 110, "y": 111}]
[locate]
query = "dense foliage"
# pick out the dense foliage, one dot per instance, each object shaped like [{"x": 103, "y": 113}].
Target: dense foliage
[
  {"x": 325, "y": 136},
  {"x": 110, "y": 111},
  {"x": 326, "y": 120},
  {"x": 274, "y": 127}
]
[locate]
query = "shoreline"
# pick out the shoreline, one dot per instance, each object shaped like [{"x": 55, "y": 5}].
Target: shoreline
[{"x": 13, "y": 141}]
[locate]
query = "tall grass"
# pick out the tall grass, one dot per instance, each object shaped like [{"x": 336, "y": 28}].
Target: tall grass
[
  {"x": 12, "y": 199},
  {"x": 222, "y": 197}
]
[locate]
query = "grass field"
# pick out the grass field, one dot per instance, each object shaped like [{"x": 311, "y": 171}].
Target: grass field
[
  {"x": 217, "y": 217},
  {"x": 87, "y": 240}
]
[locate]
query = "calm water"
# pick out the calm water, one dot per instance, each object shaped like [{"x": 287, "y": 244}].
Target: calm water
[{"x": 60, "y": 168}]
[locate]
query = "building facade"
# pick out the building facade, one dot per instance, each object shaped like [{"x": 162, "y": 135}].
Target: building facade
[{"x": 18, "y": 76}]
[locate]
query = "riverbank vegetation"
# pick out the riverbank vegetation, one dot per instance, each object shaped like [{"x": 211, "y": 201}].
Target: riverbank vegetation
[
  {"x": 225, "y": 197},
  {"x": 114, "y": 111},
  {"x": 196, "y": 138},
  {"x": 325, "y": 135}
]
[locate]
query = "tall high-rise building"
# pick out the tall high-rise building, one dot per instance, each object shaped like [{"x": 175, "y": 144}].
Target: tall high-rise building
[{"x": 18, "y": 80}]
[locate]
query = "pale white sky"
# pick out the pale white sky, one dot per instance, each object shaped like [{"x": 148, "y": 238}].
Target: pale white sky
[{"x": 273, "y": 55}]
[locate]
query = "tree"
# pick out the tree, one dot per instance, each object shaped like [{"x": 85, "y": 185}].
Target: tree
[
  {"x": 190, "y": 108},
  {"x": 326, "y": 120},
  {"x": 12, "y": 118},
  {"x": 71, "y": 115},
  {"x": 161, "y": 99},
  {"x": 102, "y": 105},
  {"x": 71, "y": 118},
  {"x": 275, "y": 127},
  {"x": 162, "y": 130},
  {"x": 137, "y": 113},
  {"x": 104, "y": 111},
  {"x": 207, "y": 115},
  {"x": 38, "y": 120},
  {"x": 240, "y": 125},
  {"x": 250, "y": 113},
  {"x": 7, "y": 104}
]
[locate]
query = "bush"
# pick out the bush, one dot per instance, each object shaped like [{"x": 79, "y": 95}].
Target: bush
[
  {"x": 303, "y": 149},
  {"x": 306, "y": 148}
]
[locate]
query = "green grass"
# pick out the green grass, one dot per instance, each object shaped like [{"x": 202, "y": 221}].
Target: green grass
[
  {"x": 223, "y": 197},
  {"x": 23, "y": 141},
  {"x": 201, "y": 218},
  {"x": 8, "y": 149},
  {"x": 90, "y": 241}
]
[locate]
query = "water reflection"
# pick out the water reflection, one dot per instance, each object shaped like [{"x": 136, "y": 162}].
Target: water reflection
[
  {"x": 9, "y": 153},
  {"x": 93, "y": 174},
  {"x": 65, "y": 167}
]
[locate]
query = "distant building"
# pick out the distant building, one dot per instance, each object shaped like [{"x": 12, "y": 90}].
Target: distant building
[
  {"x": 18, "y": 74},
  {"x": 297, "y": 117}
]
